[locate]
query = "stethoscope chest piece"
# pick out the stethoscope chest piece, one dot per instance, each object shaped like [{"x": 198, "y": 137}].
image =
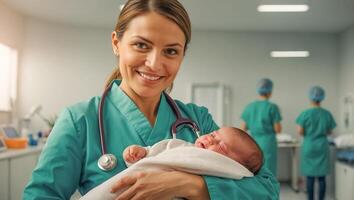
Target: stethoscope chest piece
[{"x": 107, "y": 162}]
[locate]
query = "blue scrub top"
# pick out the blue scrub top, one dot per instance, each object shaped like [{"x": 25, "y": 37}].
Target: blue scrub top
[{"x": 69, "y": 158}]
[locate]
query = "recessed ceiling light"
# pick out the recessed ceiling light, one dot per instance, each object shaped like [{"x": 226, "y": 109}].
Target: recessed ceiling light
[
  {"x": 289, "y": 54},
  {"x": 283, "y": 8}
]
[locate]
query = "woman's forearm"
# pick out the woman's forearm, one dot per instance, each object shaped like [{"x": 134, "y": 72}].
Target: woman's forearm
[{"x": 192, "y": 187}]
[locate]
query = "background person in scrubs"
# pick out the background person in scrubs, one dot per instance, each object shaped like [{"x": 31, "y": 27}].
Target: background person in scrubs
[
  {"x": 150, "y": 41},
  {"x": 263, "y": 118},
  {"x": 315, "y": 124}
]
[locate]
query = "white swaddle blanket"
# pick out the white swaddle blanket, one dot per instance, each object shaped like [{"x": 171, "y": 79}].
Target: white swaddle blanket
[{"x": 177, "y": 155}]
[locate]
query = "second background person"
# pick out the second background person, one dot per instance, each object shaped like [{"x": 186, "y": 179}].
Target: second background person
[{"x": 262, "y": 118}]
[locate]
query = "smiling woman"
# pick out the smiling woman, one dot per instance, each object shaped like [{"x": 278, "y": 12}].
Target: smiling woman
[{"x": 150, "y": 41}]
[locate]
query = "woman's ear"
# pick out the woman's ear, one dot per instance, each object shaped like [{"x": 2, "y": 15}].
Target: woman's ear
[{"x": 115, "y": 42}]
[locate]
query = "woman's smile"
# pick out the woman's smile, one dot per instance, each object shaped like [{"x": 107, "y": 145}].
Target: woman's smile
[{"x": 149, "y": 77}]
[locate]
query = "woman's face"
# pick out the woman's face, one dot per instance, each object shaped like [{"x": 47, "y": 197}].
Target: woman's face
[{"x": 150, "y": 54}]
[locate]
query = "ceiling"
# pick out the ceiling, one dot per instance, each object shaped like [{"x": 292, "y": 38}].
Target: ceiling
[{"x": 228, "y": 15}]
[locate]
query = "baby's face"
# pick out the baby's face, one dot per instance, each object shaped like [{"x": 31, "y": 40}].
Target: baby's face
[{"x": 219, "y": 141}]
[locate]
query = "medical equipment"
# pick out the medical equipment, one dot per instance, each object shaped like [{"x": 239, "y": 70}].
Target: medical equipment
[
  {"x": 12, "y": 138},
  {"x": 9, "y": 132},
  {"x": 2, "y": 144},
  {"x": 346, "y": 156},
  {"x": 109, "y": 161}
]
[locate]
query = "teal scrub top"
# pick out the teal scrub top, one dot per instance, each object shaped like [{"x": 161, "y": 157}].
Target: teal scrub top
[
  {"x": 317, "y": 123},
  {"x": 69, "y": 158},
  {"x": 260, "y": 117}
]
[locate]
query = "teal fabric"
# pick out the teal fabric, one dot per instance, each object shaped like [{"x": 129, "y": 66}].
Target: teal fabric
[
  {"x": 260, "y": 117},
  {"x": 263, "y": 186},
  {"x": 69, "y": 158},
  {"x": 317, "y": 123}
]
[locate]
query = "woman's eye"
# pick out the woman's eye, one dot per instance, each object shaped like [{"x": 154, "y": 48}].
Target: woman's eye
[
  {"x": 141, "y": 45},
  {"x": 171, "y": 52}
]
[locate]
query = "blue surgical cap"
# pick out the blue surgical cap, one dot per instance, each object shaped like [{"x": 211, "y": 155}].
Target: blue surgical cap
[
  {"x": 264, "y": 86},
  {"x": 316, "y": 94}
]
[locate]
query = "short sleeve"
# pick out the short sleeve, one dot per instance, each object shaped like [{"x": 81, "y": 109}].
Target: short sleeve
[
  {"x": 275, "y": 112},
  {"x": 57, "y": 173},
  {"x": 332, "y": 122},
  {"x": 300, "y": 120}
]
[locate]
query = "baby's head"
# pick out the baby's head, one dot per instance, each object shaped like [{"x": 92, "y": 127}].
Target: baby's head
[{"x": 235, "y": 144}]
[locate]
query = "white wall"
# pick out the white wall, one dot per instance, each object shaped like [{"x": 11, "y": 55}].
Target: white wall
[
  {"x": 11, "y": 34},
  {"x": 62, "y": 65},
  {"x": 240, "y": 59},
  {"x": 346, "y": 67}
]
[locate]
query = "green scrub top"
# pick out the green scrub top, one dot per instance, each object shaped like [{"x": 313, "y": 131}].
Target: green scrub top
[
  {"x": 69, "y": 158},
  {"x": 260, "y": 117},
  {"x": 317, "y": 123}
]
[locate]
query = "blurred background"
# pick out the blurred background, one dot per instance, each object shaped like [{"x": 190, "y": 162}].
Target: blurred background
[{"x": 61, "y": 54}]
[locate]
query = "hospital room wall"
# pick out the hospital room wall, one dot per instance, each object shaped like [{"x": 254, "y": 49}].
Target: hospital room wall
[
  {"x": 239, "y": 60},
  {"x": 11, "y": 34},
  {"x": 64, "y": 64},
  {"x": 61, "y": 65},
  {"x": 346, "y": 70}
]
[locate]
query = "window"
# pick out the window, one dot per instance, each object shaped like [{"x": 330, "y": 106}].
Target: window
[{"x": 8, "y": 77}]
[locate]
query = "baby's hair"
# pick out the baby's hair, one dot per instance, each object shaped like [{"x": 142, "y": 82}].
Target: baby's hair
[{"x": 254, "y": 161}]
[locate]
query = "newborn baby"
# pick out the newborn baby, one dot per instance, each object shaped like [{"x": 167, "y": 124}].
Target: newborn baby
[
  {"x": 228, "y": 152},
  {"x": 228, "y": 141}
]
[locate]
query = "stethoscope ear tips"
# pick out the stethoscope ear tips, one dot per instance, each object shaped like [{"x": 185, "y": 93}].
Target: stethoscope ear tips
[{"x": 107, "y": 162}]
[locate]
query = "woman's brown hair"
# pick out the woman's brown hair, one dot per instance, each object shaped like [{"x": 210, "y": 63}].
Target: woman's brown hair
[{"x": 172, "y": 9}]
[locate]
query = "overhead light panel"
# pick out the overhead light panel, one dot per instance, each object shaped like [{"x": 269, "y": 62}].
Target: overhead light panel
[
  {"x": 289, "y": 54},
  {"x": 283, "y": 8}
]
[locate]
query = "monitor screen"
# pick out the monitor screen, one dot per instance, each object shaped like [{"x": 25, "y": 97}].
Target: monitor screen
[{"x": 10, "y": 132}]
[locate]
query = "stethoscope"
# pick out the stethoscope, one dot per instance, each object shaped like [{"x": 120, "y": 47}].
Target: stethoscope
[{"x": 108, "y": 161}]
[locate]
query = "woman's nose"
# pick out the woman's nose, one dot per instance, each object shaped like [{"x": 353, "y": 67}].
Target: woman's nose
[{"x": 154, "y": 60}]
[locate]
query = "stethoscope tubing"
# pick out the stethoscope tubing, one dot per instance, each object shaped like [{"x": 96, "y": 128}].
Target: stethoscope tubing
[
  {"x": 100, "y": 119},
  {"x": 109, "y": 160}
]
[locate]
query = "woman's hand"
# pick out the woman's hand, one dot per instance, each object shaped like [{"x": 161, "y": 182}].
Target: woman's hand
[
  {"x": 161, "y": 185},
  {"x": 300, "y": 130}
]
